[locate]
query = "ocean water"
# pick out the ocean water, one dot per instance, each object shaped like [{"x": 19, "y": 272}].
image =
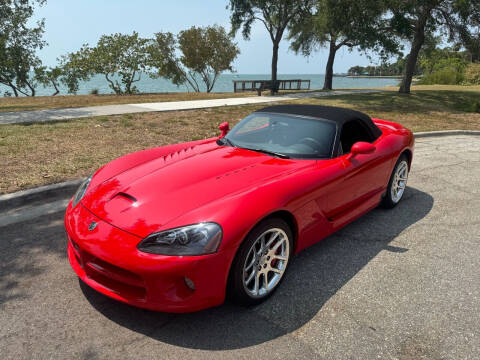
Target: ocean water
[{"x": 224, "y": 83}]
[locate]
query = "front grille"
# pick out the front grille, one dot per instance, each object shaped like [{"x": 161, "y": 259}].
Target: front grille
[{"x": 116, "y": 279}]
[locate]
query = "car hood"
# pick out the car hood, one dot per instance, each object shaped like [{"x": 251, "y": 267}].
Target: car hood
[{"x": 144, "y": 198}]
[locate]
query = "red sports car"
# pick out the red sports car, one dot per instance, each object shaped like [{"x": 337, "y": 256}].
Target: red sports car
[{"x": 177, "y": 228}]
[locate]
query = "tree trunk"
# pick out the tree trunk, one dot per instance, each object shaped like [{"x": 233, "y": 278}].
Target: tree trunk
[
  {"x": 128, "y": 85},
  {"x": 417, "y": 43},
  {"x": 327, "y": 85},
  {"x": 214, "y": 80},
  {"x": 32, "y": 89},
  {"x": 117, "y": 90},
  {"x": 274, "y": 65},
  {"x": 14, "y": 89},
  {"x": 56, "y": 88}
]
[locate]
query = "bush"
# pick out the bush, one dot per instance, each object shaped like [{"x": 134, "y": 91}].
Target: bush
[
  {"x": 476, "y": 107},
  {"x": 472, "y": 75},
  {"x": 94, "y": 92},
  {"x": 446, "y": 76},
  {"x": 444, "y": 71}
]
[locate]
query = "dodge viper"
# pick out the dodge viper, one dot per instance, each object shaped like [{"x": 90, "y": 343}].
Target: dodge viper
[{"x": 178, "y": 228}]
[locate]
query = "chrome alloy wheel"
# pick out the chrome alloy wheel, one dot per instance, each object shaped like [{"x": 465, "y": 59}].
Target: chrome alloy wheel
[
  {"x": 266, "y": 262},
  {"x": 399, "y": 181}
]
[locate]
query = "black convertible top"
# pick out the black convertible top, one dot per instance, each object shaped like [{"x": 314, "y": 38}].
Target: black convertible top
[{"x": 337, "y": 114}]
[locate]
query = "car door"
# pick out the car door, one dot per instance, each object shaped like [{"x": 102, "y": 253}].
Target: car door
[{"x": 360, "y": 178}]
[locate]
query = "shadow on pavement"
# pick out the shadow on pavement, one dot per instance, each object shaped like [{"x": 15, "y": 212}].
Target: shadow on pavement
[
  {"x": 314, "y": 277},
  {"x": 22, "y": 247}
]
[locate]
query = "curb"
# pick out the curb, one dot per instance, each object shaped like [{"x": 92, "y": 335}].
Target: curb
[
  {"x": 66, "y": 189},
  {"x": 54, "y": 192},
  {"x": 425, "y": 134}
]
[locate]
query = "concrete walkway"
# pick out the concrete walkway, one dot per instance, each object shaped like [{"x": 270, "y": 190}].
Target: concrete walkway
[{"x": 73, "y": 113}]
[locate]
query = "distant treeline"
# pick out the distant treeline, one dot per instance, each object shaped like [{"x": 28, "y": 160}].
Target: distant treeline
[
  {"x": 384, "y": 69},
  {"x": 199, "y": 54},
  {"x": 448, "y": 66}
]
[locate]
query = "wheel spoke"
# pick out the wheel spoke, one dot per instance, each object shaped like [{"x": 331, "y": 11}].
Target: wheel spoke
[
  {"x": 272, "y": 239},
  {"x": 257, "y": 284},
  {"x": 278, "y": 257},
  {"x": 265, "y": 280},
  {"x": 262, "y": 243},
  {"x": 250, "y": 264},
  {"x": 260, "y": 250},
  {"x": 252, "y": 275},
  {"x": 277, "y": 245}
]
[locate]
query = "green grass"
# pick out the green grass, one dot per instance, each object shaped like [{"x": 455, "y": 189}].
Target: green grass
[{"x": 420, "y": 100}]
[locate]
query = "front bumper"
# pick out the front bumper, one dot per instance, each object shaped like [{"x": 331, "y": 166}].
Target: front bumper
[{"x": 107, "y": 259}]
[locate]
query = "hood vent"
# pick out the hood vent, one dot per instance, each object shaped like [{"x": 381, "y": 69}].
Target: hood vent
[
  {"x": 126, "y": 196},
  {"x": 178, "y": 155}
]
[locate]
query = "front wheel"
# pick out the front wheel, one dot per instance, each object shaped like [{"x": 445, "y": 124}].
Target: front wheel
[
  {"x": 397, "y": 184},
  {"x": 261, "y": 262}
]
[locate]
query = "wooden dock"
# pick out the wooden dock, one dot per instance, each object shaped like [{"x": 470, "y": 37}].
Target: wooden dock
[{"x": 261, "y": 85}]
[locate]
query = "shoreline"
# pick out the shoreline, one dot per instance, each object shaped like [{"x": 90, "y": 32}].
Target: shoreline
[{"x": 372, "y": 76}]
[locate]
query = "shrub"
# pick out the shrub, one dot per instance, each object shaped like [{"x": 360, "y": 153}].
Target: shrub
[
  {"x": 444, "y": 71},
  {"x": 446, "y": 76},
  {"x": 94, "y": 92},
  {"x": 472, "y": 75},
  {"x": 476, "y": 107}
]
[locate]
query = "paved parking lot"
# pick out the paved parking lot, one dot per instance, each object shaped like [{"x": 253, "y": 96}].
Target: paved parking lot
[{"x": 396, "y": 284}]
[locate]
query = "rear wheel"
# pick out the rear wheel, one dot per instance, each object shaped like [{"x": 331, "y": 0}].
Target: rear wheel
[
  {"x": 261, "y": 262},
  {"x": 397, "y": 184}
]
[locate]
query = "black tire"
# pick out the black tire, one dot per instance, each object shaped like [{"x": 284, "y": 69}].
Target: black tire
[
  {"x": 236, "y": 289},
  {"x": 388, "y": 201}
]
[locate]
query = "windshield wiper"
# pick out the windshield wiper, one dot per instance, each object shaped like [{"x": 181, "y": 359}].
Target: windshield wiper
[
  {"x": 225, "y": 141},
  {"x": 273, "y": 153}
]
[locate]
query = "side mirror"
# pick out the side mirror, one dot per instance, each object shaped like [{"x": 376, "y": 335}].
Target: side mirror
[
  {"x": 224, "y": 128},
  {"x": 361, "y": 147}
]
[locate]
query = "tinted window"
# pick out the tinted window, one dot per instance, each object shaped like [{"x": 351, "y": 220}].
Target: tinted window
[
  {"x": 352, "y": 132},
  {"x": 294, "y": 136}
]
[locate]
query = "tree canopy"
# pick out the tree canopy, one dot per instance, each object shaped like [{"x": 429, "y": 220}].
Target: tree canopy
[
  {"x": 419, "y": 21},
  {"x": 19, "y": 43},
  {"x": 338, "y": 23},
  {"x": 205, "y": 52},
  {"x": 275, "y": 15}
]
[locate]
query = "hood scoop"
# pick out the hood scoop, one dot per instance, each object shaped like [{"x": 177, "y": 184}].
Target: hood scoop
[
  {"x": 121, "y": 202},
  {"x": 125, "y": 196}
]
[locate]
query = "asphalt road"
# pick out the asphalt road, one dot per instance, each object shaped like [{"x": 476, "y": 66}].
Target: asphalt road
[{"x": 396, "y": 284}]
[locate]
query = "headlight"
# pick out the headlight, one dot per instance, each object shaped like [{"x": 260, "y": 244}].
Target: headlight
[
  {"x": 81, "y": 191},
  {"x": 198, "y": 239}
]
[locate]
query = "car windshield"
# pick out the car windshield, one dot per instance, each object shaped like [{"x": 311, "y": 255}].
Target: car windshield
[{"x": 284, "y": 135}]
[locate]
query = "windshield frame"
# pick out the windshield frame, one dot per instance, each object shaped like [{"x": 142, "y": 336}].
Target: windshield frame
[{"x": 290, "y": 155}]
